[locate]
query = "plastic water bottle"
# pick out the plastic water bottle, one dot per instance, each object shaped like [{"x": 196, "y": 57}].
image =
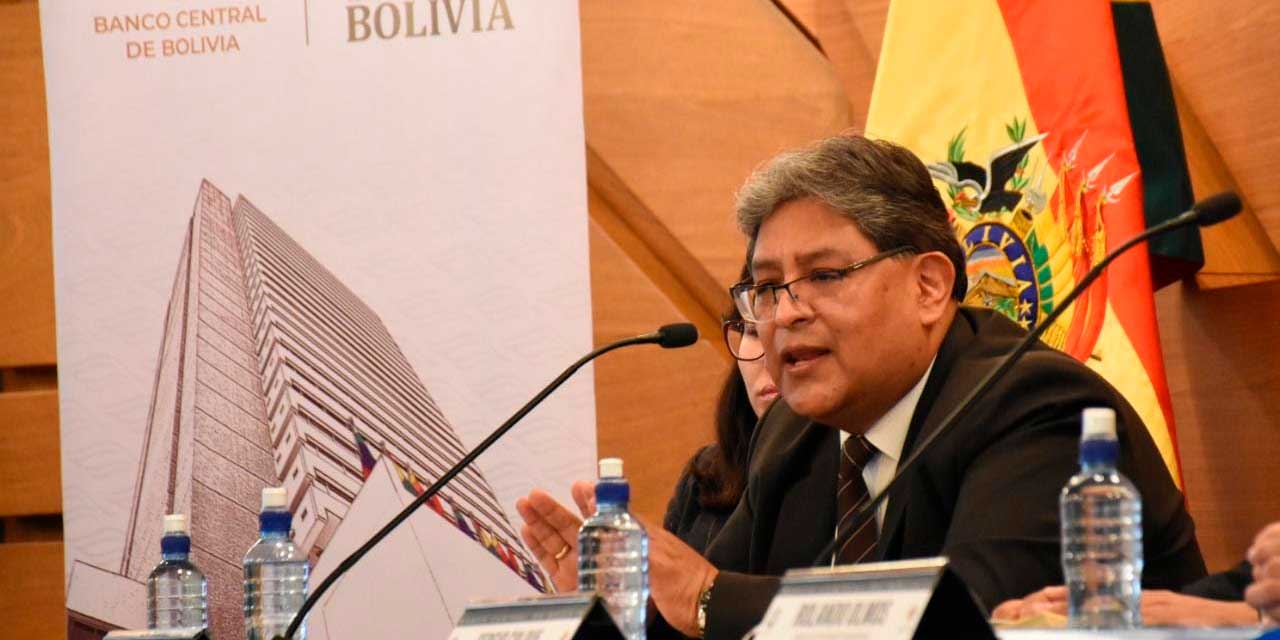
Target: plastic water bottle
[
  {"x": 1101, "y": 533},
  {"x": 275, "y": 573},
  {"x": 177, "y": 593},
  {"x": 613, "y": 553}
]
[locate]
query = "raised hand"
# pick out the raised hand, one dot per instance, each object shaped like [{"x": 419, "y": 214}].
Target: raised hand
[{"x": 551, "y": 532}]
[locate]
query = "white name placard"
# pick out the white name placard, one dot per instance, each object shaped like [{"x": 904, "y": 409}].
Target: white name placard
[
  {"x": 885, "y": 600},
  {"x": 561, "y": 617},
  {"x": 852, "y": 615},
  {"x": 532, "y": 630}
]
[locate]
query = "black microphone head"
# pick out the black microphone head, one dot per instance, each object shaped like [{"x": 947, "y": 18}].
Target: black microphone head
[
  {"x": 1216, "y": 208},
  {"x": 674, "y": 336}
]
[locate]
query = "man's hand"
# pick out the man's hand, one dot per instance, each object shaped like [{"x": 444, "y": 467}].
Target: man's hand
[
  {"x": 551, "y": 532},
  {"x": 1046, "y": 600},
  {"x": 677, "y": 576},
  {"x": 1264, "y": 555},
  {"x": 677, "y": 573},
  {"x": 1159, "y": 609},
  {"x": 1169, "y": 609}
]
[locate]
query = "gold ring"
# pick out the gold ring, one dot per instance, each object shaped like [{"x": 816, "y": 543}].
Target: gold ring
[{"x": 563, "y": 552}]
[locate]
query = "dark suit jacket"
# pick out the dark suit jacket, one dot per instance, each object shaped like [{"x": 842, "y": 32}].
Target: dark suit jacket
[
  {"x": 985, "y": 495},
  {"x": 1228, "y": 585},
  {"x": 693, "y": 523}
]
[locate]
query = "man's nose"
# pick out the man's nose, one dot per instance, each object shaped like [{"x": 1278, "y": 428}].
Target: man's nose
[{"x": 790, "y": 310}]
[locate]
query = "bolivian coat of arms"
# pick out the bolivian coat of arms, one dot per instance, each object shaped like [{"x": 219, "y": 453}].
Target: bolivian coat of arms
[{"x": 1025, "y": 249}]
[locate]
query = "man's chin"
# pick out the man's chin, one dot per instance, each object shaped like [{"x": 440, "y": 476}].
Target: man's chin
[{"x": 815, "y": 408}]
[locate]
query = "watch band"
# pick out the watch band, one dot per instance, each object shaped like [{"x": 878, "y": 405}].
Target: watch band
[{"x": 704, "y": 600}]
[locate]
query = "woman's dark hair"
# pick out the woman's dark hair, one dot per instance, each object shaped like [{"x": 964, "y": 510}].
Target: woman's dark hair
[{"x": 721, "y": 470}]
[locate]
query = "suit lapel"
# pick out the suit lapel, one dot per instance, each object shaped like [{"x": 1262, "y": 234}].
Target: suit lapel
[
  {"x": 794, "y": 471},
  {"x": 936, "y": 400}
]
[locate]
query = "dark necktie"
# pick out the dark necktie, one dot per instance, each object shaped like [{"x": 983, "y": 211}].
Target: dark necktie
[{"x": 850, "y": 496}]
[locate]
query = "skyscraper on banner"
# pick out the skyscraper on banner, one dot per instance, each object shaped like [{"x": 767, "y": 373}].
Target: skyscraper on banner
[{"x": 272, "y": 372}]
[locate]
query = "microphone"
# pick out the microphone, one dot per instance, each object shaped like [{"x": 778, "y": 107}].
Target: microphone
[
  {"x": 674, "y": 336},
  {"x": 1206, "y": 212},
  {"x": 1215, "y": 208},
  {"x": 671, "y": 336}
]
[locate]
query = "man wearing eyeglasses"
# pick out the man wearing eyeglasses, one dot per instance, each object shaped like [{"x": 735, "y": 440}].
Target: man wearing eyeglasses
[{"x": 855, "y": 290}]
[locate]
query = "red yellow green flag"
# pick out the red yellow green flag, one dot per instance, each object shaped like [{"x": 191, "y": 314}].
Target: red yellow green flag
[{"x": 1019, "y": 110}]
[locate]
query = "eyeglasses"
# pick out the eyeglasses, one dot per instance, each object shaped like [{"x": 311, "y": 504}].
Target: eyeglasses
[
  {"x": 759, "y": 302},
  {"x": 743, "y": 341}
]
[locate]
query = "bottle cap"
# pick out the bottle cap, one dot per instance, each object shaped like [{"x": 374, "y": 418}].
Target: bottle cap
[
  {"x": 274, "y": 498},
  {"x": 610, "y": 467},
  {"x": 175, "y": 523},
  {"x": 1098, "y": 423}
]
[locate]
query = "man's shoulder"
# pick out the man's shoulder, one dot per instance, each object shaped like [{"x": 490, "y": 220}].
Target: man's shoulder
[
  {"x": 1045, "y": 384},
  {"x": 1041, "y": 368}
]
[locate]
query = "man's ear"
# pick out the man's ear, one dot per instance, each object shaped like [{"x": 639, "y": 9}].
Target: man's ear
[{"x": 935, "y": 277}]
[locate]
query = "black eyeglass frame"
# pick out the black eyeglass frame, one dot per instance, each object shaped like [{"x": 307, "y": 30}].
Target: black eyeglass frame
[
  {"x": 726, "y": 326},
  {"x": 738, "y": 292}
]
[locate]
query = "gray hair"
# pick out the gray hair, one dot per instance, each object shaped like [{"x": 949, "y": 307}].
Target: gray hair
[{"x": 882, "y": 187}]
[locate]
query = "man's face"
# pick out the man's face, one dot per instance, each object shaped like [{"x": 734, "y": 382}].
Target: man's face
[{"x": 845, "y": 357}]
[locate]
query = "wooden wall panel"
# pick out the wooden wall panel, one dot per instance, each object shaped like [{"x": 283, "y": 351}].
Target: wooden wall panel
[
  {"x": 26, "y": 270},
  {"x": 1237, "y": 251},
  {"x": 667, "y": 264},
  {"x": 850, "y": 32},
  {"x": 655, "y": 406},
  {"x": 30, "y": 469},
  {"x": 1224, "y": 378},
  {"x": 1223, "y": 57},
  {"x": 683, "y": 99},
  {"x": 31, "y": 600}
]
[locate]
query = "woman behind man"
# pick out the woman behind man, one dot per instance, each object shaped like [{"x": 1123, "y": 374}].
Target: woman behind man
[{"x": 713, "y": 480}]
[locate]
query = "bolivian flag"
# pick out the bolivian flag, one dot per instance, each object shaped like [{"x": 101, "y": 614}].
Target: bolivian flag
[{"x": 1019, "y": 110}]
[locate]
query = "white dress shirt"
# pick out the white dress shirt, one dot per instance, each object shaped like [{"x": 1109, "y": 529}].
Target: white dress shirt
[{"x": 888, "y": 435}]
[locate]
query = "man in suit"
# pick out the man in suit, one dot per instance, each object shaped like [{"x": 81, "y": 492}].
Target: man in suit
[{"x": 856, "y": 284}]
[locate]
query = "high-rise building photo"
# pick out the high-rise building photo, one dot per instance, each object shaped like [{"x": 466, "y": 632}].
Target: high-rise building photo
[{"x": 271, "y": 372}]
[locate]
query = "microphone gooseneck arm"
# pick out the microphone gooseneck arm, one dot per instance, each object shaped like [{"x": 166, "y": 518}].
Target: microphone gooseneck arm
[
  {"x": 660, "y": 337},
  {"x": 1211, "y": 210}
]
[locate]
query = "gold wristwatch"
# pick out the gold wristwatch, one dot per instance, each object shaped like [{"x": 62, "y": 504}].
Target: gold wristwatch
[{"x": 704, "y": 600}]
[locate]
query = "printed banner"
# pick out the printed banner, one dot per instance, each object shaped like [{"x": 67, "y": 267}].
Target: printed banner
[{"x": 321, "y": 245}]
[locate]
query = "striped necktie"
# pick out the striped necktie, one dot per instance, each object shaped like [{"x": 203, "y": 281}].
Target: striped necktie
[{"x": 850, "y": 496}]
